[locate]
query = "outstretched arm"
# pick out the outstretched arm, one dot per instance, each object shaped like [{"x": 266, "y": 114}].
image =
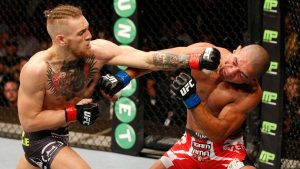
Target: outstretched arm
[
  {"x": 169, "y": 59},
  {"x": 197, "y": 56},
  {"x": 131, "y": 57}
]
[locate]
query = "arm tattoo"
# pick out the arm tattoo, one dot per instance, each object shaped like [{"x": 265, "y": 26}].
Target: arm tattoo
[{"x": 169, "y": 61}]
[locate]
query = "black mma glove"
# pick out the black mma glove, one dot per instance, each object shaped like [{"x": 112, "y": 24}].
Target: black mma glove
[
  {"x": 112, "y": 84},
  {"x": 86, "y": 114},
  {"x": 209, "y": 59},
  {"x": 184, "y": 86}
]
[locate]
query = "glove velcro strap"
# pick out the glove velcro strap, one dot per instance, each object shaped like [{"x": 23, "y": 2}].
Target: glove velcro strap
[
  {"x": 192, "y": 101},
  {"x": 123, "y": 77},
  {"x": 195, "y": 61},
  {"x": 71, "y": 113}
]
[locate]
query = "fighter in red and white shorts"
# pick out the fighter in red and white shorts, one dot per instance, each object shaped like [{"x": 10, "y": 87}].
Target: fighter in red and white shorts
[{"x": 196, "y": 151}]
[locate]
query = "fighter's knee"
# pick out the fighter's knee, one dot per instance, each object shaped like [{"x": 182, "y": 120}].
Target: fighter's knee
[{"x": 24, "y": 164}]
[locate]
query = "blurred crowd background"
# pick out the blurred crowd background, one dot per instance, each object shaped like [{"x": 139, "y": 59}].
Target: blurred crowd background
[{"x": 161, "y": 24}]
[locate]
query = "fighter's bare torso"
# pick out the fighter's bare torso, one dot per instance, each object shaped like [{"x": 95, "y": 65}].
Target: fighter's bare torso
[
  {"x": 216, "y": 93},
  {"x": 66, "y": 81}
]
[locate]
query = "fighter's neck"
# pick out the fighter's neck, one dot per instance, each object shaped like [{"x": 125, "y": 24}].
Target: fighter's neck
[{"x": 61, "y": 53}]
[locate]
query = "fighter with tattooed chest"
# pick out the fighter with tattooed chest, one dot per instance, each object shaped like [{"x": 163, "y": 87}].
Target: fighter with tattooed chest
[{"x": 56, "y": 86}]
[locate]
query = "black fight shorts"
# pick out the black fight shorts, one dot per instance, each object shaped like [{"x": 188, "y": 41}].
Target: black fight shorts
[{"x": 41, "y": 147}]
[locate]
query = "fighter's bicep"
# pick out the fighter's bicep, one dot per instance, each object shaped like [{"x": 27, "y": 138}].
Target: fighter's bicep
[
  {"x": 235, "y": 113},
  {"x": 131, "y": 57},
  {"x": 249, "y": 102},
  {"x": 31, "y": 93},
  {"x": 232, "y": 118},
  {"x": 105, "y": 50},
  {"x": 31, "y": 100},
  {"x": 121, "y": 54},
  {"x": 29, "y": 105}
]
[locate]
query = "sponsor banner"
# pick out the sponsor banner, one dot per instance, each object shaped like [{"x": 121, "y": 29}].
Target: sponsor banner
[
  {"x": 271, "y": 107},
  {"x": 128, "y": 133}
]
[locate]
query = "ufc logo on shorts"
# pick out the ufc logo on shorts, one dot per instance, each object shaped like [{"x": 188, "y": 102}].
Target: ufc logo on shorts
[
  {"x": 87, "y": 118},
  {"x": 186, "y": 88},
  {"x": 111, "y": 78}
]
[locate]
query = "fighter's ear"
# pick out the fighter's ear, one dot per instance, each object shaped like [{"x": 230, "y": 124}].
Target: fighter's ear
[
  {"x": 238, "y": 49},
  {"x": 60, "y": 40}
]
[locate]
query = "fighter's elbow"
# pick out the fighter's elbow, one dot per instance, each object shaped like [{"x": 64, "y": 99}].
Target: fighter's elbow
[
  {"x": 28, "y": 125},
  {"x": 217, "y": 139},
  {"x": 218, "y": 136}
]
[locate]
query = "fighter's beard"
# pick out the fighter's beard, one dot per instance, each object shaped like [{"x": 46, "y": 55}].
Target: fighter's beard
[{"x": 84, "y": 54}]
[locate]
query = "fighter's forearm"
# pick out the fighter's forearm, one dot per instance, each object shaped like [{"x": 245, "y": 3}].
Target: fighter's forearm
[
  {"x": 135, "y": 73},
  {"x": 175, "y": 58},
  {"x": 215, "y": 129},
  {"x": 169, "y": 61},
  {"x": 45, "y": 120}
]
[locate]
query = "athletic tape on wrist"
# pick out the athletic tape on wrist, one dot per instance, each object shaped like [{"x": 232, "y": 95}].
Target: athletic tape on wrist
[
  {"x": 195, "y": 61},
  {"x": 192, "y": 101},
  {"x": 124, "y": 77},
  {"x": 71, "y": 113}
]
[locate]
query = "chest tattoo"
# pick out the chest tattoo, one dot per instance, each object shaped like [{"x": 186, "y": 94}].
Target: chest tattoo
[{"x": 66, "y": 78}]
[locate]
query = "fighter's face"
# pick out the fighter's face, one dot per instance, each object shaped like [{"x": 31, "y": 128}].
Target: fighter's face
[
  {"x": 79, "y": 37},
  {"x": 236, "y": 70}
]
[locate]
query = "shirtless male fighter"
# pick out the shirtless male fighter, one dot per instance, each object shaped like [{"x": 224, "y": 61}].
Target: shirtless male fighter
[
  {"x": 217, "y": 104},
  {"x": 56, "y": 85}
]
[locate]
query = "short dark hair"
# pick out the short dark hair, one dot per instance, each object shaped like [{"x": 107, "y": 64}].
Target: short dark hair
[{"x": 62, "y": 12}]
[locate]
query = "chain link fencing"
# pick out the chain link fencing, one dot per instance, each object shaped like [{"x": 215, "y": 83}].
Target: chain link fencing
[
  {"x": 161, "y": 24},
  {"x": 23, "y": 33},
  {"x": 172, "y": 23},
  {"x": 291, "y": 121}
]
